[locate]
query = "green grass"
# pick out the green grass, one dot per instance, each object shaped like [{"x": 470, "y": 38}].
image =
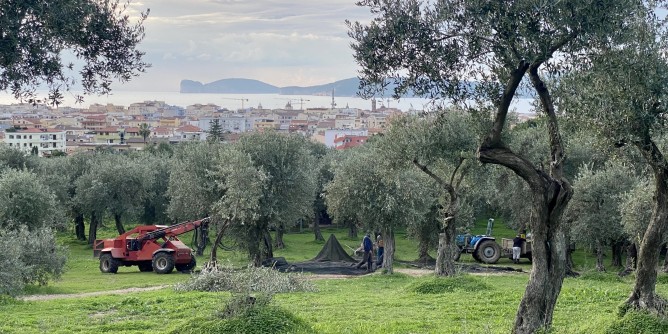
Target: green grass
[{"x": 370, "y": 304}]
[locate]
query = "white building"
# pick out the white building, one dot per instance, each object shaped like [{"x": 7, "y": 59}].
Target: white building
[
  {"x": 46, "y": 140},
  {"x": 331, "y": 135}
]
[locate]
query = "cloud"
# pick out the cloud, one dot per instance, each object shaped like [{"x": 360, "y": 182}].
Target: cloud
[{"x": 278, "y": 41}]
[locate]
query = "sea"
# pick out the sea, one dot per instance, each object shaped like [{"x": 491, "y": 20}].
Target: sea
[{"x": 245, "y": 101}]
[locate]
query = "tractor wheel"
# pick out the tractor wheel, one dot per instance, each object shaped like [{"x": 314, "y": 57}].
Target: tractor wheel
[
  {"x": 108, "y": 264},
  {"x": 489, "y": 252},
  {"x": 163, "y": 263},
  {"x": 474, "y": 254},
  {"x": 188, "y": 266},
  {"x": 145, "y": 266}
]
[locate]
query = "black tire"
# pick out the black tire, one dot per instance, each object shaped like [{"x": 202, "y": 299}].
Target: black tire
[
  {"x": 145, "y": 266},
  {"x": 188, "y": 266},
  {"x": 475, "y": 256},
  {"x": 108, "y": 264},
  {"x": 163, "y": 263},
  {"x": 488, "y": 252}
]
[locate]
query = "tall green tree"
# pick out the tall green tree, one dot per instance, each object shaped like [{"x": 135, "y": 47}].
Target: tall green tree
[
  {"x": 431, "y": 47},
  {"x": 215, "y": 133},
  {"x": 192, "y": 190},
  {"x": 290, "y": 186},
  {"x": 442, "y": 146},
  {"x": 596, "y": 206},
  {"x": 26, "y": 201},
  {"x": 624, "y": 93},
  {"x": 144, "y": 131},
  {"x": 99, "y": 34},
  {"x": 378, "y": 198}
]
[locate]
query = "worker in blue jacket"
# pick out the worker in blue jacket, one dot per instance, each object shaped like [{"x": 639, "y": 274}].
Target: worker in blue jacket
[{"x": 367, "y": 244}]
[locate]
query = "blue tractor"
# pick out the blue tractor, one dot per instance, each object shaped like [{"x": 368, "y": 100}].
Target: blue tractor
[{"x": 483, "y": 248}]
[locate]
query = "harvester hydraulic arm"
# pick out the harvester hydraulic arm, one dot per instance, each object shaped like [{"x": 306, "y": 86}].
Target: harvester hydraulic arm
[{"x": 175, "y": 230}]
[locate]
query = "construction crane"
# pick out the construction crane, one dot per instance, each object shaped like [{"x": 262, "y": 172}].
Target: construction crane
[
  {"x": 242, "y": 101},
  {"x": 289, "y": 104}
]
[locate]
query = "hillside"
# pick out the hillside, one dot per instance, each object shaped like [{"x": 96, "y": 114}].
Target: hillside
[{"x": 346, "y": 87}]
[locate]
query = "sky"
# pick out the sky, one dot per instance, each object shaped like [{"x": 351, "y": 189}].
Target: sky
[{"x": 280, "y": 42}]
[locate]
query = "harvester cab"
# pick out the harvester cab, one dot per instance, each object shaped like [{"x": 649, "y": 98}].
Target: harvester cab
[{"x": 149, "y": 247}]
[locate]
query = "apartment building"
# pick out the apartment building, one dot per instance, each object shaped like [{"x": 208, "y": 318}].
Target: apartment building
[{"x": 45, "y": 140}]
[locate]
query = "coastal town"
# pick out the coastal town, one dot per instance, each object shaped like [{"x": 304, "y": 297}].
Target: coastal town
[{"x": 46, "y": 131}]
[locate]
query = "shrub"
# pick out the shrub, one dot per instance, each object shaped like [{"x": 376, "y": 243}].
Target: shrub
[
  {"x": 262, "y": 319},
  {"x": 252, "y": 279},
  {"x": 450, "y": 284},
  {"x": 638, "y": 323},
  {"x": 29, "y": 258}
]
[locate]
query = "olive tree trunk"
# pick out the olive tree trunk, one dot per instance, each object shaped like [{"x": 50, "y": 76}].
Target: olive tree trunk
[
  {"x": 280, "y": 231},
  {"x": 216, "y": 243},
  {"x": 267, "y": 246},
  {"x": 447, "y": 250},
  {"x": 92, "y": 230},
  {"x": 352, "y": 231},
  {"x": 79, "y": 226},
  {"x": 617, "y": 248},
  {"x": 316, "y": 227},
  {"x": 600, "y": 266},
  {"x": 201, "y": 239},
  {"x": 644, "y": 296},
  {"x": 388, "y": 257},
  {"x": 119, "y": 224},
  {"x": 550, "y": 192}
]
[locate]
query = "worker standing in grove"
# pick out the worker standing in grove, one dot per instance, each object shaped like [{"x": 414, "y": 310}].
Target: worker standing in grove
[
  {"x": 517, "y": 248},
  {"x": 367, "y": 245},
  {"x": 380, "y": 246}
]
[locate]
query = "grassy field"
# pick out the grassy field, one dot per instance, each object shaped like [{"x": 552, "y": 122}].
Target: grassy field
[{"x": 371, "y": 304}]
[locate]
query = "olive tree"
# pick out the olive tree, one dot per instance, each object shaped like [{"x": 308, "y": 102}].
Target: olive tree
[
  {"x": 37, "y": 34},
  {"x": 192, "y": 189},
  {"x": 29, "y": 216},
  {"x": 290, "y": 186},
  {"x": 377, "y": 197},
  {"x": 595, "y": 207},
  {"x": 25, "y": 201},
  {"x": 431, "y": 48},
  {"x": 241, "y": 185},
  {"x": 623, "y": 92},
  {"x": 29, "y": 257},
  {"x": 442, "y": 146}
]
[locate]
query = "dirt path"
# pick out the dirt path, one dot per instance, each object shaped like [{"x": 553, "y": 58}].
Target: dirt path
[{"x": 91, "y": 294}]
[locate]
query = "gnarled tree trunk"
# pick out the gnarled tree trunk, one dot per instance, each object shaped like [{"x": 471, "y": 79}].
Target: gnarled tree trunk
[
  {"x": 267, "y": 249},
  {"x": 352, "y": 231},
  {"x": 216, "y": 243},
  {"x": 599, "y": 257},
  {"x": 92, "y": 230},
  {"x": 617, "y": 249},
  {"x": 551, "y": 194},
  {"x": 388, "y": 257},
  {"x": 316, "y": 226},
  {"x": 280, "y": 230},
  {"x": 644, "y": 296},
  {"x": 79, "y": 226},
  {"x": 119, "y": 225},
  {"x": 447, "y": 250},
  {"x": 201, "y": 239}
]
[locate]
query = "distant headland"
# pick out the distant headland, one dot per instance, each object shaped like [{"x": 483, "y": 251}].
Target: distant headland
[{"x": 341, "y": 88}]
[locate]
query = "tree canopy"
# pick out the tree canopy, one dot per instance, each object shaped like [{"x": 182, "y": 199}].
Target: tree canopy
[{"x": 38, "y": 38}]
